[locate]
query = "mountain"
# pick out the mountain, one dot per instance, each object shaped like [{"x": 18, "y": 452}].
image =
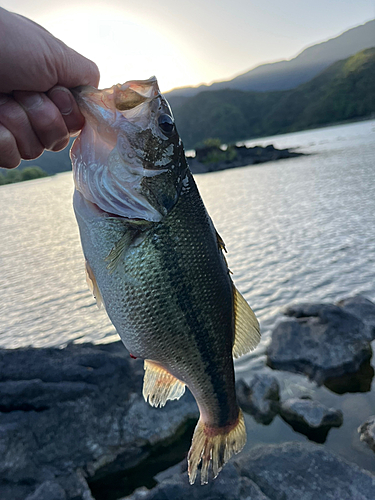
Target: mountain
[
  {"x": 343, "y": 91},
  {"x": 285, "y": 75}
]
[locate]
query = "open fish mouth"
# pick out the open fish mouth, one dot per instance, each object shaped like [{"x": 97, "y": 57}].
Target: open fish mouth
[
  {"x": 101, "y": 104},
  {"x": 120, "y": 145}
]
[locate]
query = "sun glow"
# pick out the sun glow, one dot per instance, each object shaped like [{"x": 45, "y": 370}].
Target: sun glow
[{"x": 123, "y": 47}]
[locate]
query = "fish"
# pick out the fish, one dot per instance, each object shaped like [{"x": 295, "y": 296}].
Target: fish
[{"x": 156, "y": 262}]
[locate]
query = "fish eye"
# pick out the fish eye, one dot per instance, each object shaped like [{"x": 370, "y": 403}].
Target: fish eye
[{"x": 166, "y": 124}]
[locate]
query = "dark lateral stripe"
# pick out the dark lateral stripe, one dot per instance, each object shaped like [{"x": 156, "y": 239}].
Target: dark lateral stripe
[{"x": 221, "y": 392}]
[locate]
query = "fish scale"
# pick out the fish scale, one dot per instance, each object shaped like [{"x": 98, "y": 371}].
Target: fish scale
[{"x": 163, "y": 278}]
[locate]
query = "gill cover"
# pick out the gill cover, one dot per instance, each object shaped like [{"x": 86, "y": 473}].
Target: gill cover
[{"x": 124, "y": 161}]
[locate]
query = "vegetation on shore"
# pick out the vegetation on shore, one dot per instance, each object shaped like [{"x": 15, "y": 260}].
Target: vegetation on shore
[
  {"x": 344, "y": 91},
  {"x": 18, "y": 175},
  {"x": 211, "y": 156}
]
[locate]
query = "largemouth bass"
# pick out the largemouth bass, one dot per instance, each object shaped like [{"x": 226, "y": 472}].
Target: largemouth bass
[{"x": 155, "y": 260}]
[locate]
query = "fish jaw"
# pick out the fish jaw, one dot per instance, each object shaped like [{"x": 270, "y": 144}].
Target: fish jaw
[{"x": 122, "y": 150}]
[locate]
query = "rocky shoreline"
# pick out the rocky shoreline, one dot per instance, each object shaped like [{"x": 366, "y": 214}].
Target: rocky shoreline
[
  {"x": 73, "y": 423},
  {"x": 214, "y": 158}
]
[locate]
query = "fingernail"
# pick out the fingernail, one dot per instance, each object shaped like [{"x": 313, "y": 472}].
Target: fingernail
[
  {"x": 31, "y": 100},
  {"x": 63, "y": 100}
]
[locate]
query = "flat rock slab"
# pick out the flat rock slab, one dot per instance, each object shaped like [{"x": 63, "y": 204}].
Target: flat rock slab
[
  {"x": 288, "y": 471},
  {"x": 367, "y": 432},
  {"x": 321, "y": 340},
  {"x": 260, "y": 397},
  {"x": 67, "y": 415},
  {"x": 310, "y": 417}
]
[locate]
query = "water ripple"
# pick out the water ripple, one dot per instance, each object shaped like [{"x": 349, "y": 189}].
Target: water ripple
[{"x": 296, "y": 230}]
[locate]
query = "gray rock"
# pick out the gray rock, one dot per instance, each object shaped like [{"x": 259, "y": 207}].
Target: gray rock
[
  {"x": 363, "y": 309},
  {"x": 289, "y": 471},
  {"x": 367, "y": 432},
  {"x": 229, "y": 485},
  {"x": 321, "y": 341},
  {"x": 310, "y": 417},
  {"x": 259, "y": 398},
  {"x": 48, "y": 490},
  {"x": 76, "y": 409},
  {"x": 305, "y": 471}
]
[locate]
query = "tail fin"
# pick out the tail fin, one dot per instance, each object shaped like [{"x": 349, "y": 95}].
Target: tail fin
[{"x": 216, "y": 446}]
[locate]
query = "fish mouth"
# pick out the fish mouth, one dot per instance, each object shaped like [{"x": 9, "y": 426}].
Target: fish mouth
[
  {"x": 108, "y": 162},
  {"x": 120, "y": 98}
]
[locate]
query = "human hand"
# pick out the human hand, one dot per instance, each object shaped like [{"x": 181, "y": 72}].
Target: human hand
[{"x": 37, "y": 110}]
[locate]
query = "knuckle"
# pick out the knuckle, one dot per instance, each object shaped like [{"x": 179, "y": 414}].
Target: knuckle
[{"x": 12, "y": 114}]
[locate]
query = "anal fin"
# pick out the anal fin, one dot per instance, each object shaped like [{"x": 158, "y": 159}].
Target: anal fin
[
  {"x": 93, "y": 286},
  {"x": 159, "y": 385},
  {"x": 246, "y": 326}
]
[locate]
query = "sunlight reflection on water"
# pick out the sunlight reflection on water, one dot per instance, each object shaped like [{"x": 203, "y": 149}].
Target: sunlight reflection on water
[{"x": 296, "y": 230}]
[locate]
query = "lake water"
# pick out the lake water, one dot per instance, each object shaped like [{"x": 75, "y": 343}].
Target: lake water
[{"x": 301, "y": 229}]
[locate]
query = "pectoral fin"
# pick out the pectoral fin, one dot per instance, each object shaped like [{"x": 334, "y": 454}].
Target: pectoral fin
[
  {"x": 247, "y": 334},
  {"x": 118, "y": 251},
  {"x": 93, "y": 286},
  {"x": 159, "y": 385}
]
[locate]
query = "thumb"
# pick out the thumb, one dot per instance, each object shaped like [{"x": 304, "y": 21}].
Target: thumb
[{"x": 75, "y": 70}]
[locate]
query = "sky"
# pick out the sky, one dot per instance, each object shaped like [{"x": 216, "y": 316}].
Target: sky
[{"x": 190, "y": 42}]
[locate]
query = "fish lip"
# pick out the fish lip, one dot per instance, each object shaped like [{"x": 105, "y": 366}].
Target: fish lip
[{"x": 77, "y": 91}]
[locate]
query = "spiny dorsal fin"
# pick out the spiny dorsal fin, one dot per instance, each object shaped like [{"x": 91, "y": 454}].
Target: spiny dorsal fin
[
  {"x": 220, "y": 242},
  {"x": 246, "y": 327},
  {"x": 159, "y": 385},
  {"x": 221, "y": 246},
  {"x": 93, "y": 286}
]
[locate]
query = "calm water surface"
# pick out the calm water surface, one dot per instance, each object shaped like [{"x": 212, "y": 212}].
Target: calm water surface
[{"x": 301, "y": 229}]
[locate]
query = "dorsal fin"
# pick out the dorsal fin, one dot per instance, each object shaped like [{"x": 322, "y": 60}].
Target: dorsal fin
[
  {"x": 220, "y": 242},
  {"x": 159, "y": 385},
  {"x": 93, "y": 286},
  {"x": 247, "y": 334}
]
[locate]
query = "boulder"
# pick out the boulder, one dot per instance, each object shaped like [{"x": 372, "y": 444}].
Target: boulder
[
  {"x": 229, "y": 485},
  {"x": 310, "y": 417},
  {"x": 363, "y": 309},
  {"x": 288, "y": 471},
  {"x": 70, "y": 415},
  {"x": 259, "y": 398},
  {"x": 367, "y": 432},
  {"x": 305, "y": 471},
  {"x": 320, "y": 340}
]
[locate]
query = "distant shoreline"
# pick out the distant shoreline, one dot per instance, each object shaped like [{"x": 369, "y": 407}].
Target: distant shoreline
[
  {"x": 212, "y": 157},
  {"x": 54, "y": 163}
]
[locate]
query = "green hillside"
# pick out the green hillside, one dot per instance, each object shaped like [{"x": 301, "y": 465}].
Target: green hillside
[{"x": 344, "y": 91}]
